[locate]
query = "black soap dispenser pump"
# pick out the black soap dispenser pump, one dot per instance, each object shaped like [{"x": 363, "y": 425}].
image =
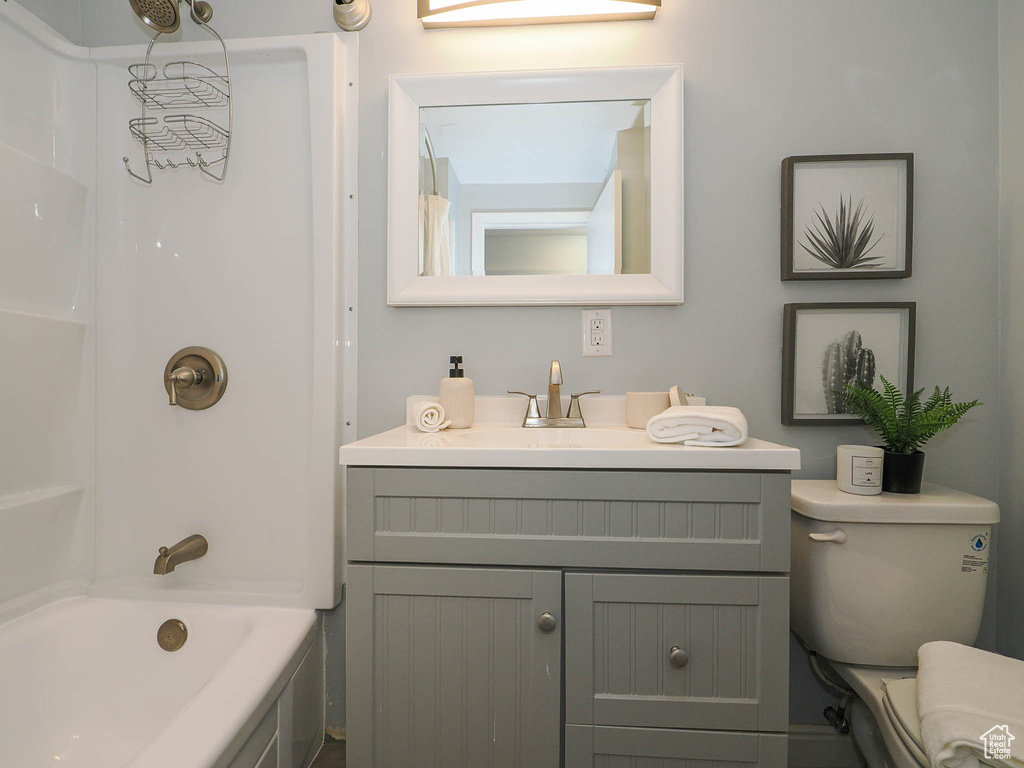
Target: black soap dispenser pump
[{"x": 457, "y": 395}]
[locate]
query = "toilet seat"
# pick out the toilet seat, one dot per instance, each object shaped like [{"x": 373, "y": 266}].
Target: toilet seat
[{"x": 900, "y": 703}]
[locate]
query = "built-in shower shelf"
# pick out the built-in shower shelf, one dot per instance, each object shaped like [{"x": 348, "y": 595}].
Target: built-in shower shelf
[
  {"x": 48, "y": 533},
  {"x": 13, "y": 315},
  {"x": 37, "y": 495}
]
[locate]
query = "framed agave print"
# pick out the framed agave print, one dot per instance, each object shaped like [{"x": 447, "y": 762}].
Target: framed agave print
[
  {"x": 847, "y": 217},
  {"x": 827, "y": 346}
]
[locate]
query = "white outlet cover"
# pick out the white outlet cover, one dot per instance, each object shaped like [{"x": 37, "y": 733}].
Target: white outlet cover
[{"x": 603, "y": 336}]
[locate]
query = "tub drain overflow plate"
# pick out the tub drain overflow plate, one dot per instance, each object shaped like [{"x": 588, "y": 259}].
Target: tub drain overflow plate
[{"x": 172, "y": 634}]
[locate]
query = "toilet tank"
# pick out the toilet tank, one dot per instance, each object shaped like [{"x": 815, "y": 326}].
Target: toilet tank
[{"x": 874, "y": 577}]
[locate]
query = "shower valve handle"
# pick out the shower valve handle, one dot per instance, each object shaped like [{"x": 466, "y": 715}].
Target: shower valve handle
[
  {"x": 195, "y": 378},
  {"x": 183, "y": 377}
]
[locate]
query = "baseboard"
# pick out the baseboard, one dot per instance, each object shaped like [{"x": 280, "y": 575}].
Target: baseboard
[{"x": 820, "y": 746}]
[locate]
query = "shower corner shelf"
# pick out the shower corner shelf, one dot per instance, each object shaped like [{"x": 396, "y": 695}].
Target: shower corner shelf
[{"x": 180, "y": 136}]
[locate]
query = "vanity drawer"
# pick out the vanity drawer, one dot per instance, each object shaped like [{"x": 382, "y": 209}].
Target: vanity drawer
[
  {"x": 665, "y": 520},
  {"x": 603, "y": 747},
  {"x": 731, "y": 669}
]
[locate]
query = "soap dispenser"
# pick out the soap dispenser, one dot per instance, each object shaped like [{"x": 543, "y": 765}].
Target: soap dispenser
[{"x": 456, "y": 396}]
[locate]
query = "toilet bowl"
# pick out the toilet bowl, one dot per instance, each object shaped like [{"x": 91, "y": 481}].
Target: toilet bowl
[
  {"x": 884, "y": 718},
  {"x": 875, "y": 577}
]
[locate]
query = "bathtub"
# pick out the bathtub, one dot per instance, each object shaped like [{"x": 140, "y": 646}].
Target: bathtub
[{"x": 83, "y": 684}]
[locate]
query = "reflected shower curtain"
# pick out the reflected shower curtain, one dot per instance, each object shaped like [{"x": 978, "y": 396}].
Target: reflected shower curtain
[{"x": 436, "y": 237}]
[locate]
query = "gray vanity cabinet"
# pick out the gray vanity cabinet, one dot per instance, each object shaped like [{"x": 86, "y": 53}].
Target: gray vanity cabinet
[{"x": 665, "y": 593}]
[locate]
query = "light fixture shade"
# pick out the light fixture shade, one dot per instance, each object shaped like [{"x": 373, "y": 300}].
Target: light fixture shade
[{"x": 437, "y": 14}]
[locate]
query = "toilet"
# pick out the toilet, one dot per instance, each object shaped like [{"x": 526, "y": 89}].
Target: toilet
[{"x": 875, "y": 577}]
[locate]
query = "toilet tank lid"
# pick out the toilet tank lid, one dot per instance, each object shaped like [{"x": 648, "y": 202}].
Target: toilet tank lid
[{"x": 935, "y": 505}]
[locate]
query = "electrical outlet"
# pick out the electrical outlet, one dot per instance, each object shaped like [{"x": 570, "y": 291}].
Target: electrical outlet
[{"x": 597, "y": 333}]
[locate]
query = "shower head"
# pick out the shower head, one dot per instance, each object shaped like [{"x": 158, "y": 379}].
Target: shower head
[{"x": 163, "y": 15}]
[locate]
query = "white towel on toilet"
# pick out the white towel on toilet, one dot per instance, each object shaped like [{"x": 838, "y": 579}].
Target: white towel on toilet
[
  {"x": 964, "y": 694},
  {"x": 707, "y": 425},
  {"x": 429, "y": 417}
]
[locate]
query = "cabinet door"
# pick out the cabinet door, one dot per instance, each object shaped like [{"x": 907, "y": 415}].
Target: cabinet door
[
  {"x": 671, "y": 651},
  {"x": 450, "y": 668}
]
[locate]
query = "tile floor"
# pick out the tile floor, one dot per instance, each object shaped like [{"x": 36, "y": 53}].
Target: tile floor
[{"x": 331, "y": 755}]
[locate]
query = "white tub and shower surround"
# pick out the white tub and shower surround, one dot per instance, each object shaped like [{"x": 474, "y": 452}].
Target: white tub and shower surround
[
  {"x": 47, "y": 340},
  {"x": 251, "y": 269},
  {"x": 96, "y": 691}
]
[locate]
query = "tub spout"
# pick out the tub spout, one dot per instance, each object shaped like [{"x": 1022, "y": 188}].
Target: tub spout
[{"x": 190, "y": 548}]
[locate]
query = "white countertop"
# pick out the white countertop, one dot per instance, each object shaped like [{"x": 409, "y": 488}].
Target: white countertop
[{"x": 603, "y": 446}]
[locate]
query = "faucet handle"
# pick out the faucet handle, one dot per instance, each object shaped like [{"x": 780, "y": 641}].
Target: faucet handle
[
  {"x": 574, "y": 404},
  {"x": 532, "y": 407},
  {"x": 555, "y": 376}
]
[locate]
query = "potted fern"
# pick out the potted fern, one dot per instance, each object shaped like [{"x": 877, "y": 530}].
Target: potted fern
[{"x": 904, "y": 424}]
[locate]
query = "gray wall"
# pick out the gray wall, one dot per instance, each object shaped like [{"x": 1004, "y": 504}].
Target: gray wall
[
  {"x": 64, "y": 16},
  {"x": 763, "y": 81},
  {"x": 1011, "y": 231}
]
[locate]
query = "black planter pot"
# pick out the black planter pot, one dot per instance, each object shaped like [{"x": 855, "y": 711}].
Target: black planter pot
[{"x": 902, "y": 472}]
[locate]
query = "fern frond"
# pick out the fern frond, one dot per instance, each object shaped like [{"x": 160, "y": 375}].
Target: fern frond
[
  {"x": 893, "y": 396},
  {"x": 903, "y": 422},
  {"x": 938, "y": 399}
]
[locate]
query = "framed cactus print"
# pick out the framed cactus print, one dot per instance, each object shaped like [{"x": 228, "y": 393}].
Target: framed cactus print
[
  {"x": 827, "y": 346},
  {"x": 847, "y": 217}
]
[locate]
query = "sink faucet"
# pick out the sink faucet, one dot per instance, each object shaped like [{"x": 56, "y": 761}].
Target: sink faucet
[
  {"x": 572, "y": 419},
  {"x": 555, "y": 391},
  {"x": 190, "y": 548}
]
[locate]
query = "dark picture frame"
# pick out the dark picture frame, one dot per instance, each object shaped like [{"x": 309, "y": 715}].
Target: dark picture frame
[
  {"x": 824, "y": 345},
  {"x": 855, "y": 210}
]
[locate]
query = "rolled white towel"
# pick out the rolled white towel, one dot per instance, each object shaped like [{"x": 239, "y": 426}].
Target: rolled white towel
[
  {"x": 964, "y": 694},
  {"x": 717, "y": 426},
  {"x": 429, "y": 417}
]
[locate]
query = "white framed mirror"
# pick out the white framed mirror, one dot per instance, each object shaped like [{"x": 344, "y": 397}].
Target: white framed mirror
[{"x": 536, "y": 187}]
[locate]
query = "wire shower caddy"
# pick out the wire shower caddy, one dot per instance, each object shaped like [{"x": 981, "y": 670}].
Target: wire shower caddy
[{"x": 181, "y": 136}]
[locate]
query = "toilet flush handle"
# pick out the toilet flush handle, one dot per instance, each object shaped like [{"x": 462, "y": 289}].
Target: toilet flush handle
[{"x": 836, "y": 537}]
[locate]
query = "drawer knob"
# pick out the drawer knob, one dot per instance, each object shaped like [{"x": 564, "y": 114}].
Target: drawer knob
[
  {"x": 547, "y": 622},
  {"x": 678, "y": 658}
]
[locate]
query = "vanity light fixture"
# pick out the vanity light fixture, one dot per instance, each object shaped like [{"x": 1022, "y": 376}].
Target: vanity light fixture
[{"x": 438, "y": 14}]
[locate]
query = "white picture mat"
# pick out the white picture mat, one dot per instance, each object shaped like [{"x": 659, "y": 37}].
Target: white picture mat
[
  {"x": 885, "y": 331},
  {"x": 882, "y": 184}
]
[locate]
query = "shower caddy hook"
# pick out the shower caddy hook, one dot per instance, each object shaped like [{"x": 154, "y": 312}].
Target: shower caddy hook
[{"x": 183, "y": 85}]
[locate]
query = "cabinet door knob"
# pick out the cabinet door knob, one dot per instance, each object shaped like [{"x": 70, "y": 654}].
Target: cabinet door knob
[
  {"x": 678, "y": 658},
  {"x": 547, "y": 622}
]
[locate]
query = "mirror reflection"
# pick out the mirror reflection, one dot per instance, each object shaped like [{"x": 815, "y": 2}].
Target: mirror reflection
[{"x": 535, "y": 189}]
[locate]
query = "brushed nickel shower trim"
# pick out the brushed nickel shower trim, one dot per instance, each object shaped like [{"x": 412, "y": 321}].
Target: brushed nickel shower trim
[{"x": 195, "y": 378}]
